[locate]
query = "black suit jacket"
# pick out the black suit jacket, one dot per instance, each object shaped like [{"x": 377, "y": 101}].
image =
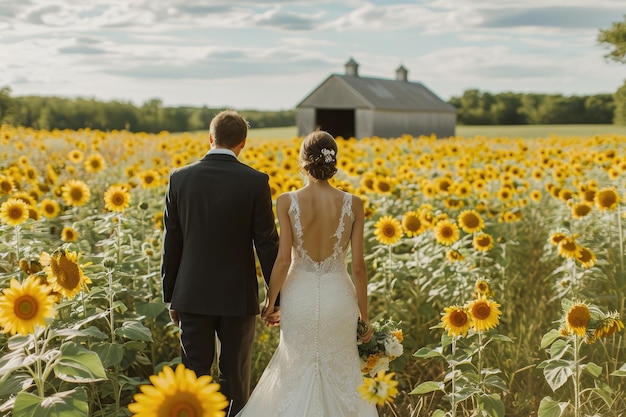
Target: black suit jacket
[{"x": 217, "y": 212}]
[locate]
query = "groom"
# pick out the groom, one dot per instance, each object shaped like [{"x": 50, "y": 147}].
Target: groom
[{"x": 217, "y": 212}]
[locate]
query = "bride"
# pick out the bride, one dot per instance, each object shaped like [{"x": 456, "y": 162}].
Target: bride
[{"x": 315, "y": 371}]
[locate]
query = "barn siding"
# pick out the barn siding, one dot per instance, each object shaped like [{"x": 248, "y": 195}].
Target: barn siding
[{"x": 396, "y": 123}]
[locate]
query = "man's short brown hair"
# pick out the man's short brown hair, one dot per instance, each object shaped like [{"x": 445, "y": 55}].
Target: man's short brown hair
[{"x": 228, "y": 129}]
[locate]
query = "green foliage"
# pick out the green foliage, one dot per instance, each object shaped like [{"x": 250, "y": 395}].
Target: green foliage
[
  {"x": 620, "y": 105},
  {"x": 615, "y": 39},
  {"x": 483, "y": 108}
]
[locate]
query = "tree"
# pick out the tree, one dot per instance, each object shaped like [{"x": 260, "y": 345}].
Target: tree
[
  {"x": 7, "y": 105},
  {"x": 615, "y": 38},
  {"x": 620, "y": 105}
]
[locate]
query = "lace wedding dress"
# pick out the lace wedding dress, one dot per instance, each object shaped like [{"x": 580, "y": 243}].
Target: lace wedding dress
[{"x": 315, "y": 370}]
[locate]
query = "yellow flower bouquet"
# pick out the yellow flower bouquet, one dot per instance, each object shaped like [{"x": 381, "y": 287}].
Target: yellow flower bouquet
[{"x": 384, "y": 346}]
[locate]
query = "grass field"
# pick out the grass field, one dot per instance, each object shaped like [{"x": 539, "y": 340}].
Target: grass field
[{"x": 522, "y": 131}]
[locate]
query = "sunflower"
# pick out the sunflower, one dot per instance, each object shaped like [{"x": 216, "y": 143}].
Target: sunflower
[
  {"x": 482, "y": 288},
  {"x": 14, "y": 212},
  {"x": 471, "y": 221},
  {"x": 412, "y": 224},
  {"x": 482, "y": 242},
  {"x": 150, "y": 178},
  {"x": 69, "y": 234},
  {"x": 607, "y": 199},
  {"x": 383, "y": 185},
  {"x": 454, "y": 256},
  {"x": 446, "y": 232},
  {"x": 568, "y": 248},
  {"x": 116, "y": 198},
  {"x": 609, "y": 325},
  {"x": 75, "y": 156},
  {"x": 94, "y": 163},
  {"x": 64, "y": 274},
  {"x": 380, "y": 389},
  {"x": 504, "y": 194},
  {"x": 484, "y": 312},
  {"x": 388, "y": 230},
  {"x": 179, "y": 393},
  {"x": 577, "y": 318},
  {"x": 456, "y": 321},
  {"x": 49, "y": 208},
  {"x": 75, "y": 193},
  {"x": 6, "y": 185},
  {"x": 24, "y": 306},
  {"x": 557, "y": 237},
  {"x": 586, "y": 258},
  {"x": 580, "y": 210}
]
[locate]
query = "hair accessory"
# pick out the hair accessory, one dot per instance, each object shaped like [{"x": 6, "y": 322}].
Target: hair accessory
[{"x": 328, "y": 154}]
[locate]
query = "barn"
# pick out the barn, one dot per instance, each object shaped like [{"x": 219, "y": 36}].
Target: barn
[{"x": 350, "y": 105}]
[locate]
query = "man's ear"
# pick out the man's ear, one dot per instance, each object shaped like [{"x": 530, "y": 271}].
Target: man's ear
[{"x": 211, "y": 140}]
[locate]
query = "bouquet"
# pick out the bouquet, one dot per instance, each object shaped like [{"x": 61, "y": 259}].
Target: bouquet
[{"x": 384, "y": 346}]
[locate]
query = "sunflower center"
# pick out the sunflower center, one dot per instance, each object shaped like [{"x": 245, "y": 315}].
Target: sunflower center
[
  {"x": 183, "y": 409},
  {"x": 69, "y": 274},
  {"x": 15, "y": 212},
  {"x": 458, "y": 318},
  {"x": 481, "y": 311},
  {"x": 49, "y": 208},
  {"x": 118, "y": 199},
  {"x": 446, "y": 232},
  {"x": 471, "y": 220},
  {"x": 412, "y": 224},
  {"x": 389, "y": 230},
  {"x": 26, "y": 307},
  {"x": 607, "y": 198},
  {"x": 578, "y": 316},
  {"x": 148, "y": 179},
  {"x": 383, "y": 186},
  {"x": 6, "y": 186},
  {"x": 76, "y": 194},
  {"x": 569, "y": 245}
]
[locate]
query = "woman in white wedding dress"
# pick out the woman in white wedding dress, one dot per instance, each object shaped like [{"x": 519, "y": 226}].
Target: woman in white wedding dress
[{"x": 315, "y": 371}]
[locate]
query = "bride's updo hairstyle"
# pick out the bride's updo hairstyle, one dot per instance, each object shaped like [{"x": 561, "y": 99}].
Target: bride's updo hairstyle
[{"x": 318, "y": 155}]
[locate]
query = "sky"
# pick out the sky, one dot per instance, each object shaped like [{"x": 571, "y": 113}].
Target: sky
[{"x": 269, "y": 55}]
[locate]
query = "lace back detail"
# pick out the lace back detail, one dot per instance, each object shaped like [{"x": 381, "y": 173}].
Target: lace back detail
[{"x": 330, "y": 262}]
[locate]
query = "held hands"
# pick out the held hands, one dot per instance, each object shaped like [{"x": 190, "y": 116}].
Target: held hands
[{"x": 271, "y": 316}]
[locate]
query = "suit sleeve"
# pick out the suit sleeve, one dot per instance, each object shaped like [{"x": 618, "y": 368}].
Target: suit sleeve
[
  {"x": 172, "y": 244},
  {"x": 264, "y": 230}
]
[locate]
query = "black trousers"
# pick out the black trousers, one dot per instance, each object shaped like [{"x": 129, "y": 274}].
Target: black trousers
[{"x": 236, "y": 335}]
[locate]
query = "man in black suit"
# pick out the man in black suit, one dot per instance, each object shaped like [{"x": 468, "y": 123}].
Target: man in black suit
[{"x": 217, "y": 212}]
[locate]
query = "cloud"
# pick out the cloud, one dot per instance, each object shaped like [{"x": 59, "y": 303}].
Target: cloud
[
  {"x": 279, "y": 19},
  {"x": 85, "y": 50},
  {"x": 561, "y": 17}
]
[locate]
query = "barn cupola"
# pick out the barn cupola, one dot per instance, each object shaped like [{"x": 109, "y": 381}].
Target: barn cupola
[
  {"x": 352, "y": 68},
  {"x": 401, "y": 74}
]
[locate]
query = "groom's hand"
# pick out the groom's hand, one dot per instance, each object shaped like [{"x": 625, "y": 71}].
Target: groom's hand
[{"x": 271, "y": 316}]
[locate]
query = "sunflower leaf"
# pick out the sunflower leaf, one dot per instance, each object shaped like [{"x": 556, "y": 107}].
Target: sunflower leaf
[
  {"x": 62, "y": 404},
  {"x": 556, "y": 373},
  {"x": 549, "y": 338},
  {"x": 492, "y": 404},
  {"x": 592, "y": 369},
  {"x": 77, "y": 364},
  {"x": 426, "y": 387},
  {"x": 135, "y": 331},
  {"x": 550, "y": 408},
  {"x": 426, "y": 353}
]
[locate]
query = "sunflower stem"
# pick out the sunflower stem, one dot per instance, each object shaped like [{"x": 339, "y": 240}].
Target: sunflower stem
[
  {"x": 453, "y": 366},
  {"x": 387, "y": 279},
  {"x": 576, "y": 378},
  {"x": 17, "y": 242},
  {"x": 111, "y": 300},
  {"x": 39, "y": 380},
  {"x": 621, "y": 240}
]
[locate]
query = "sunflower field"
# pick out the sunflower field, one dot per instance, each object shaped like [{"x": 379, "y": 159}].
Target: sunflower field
[{"x": 501, "y": 259}]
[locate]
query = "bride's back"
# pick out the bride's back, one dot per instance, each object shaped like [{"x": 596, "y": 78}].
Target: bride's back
[{"x": 320, "y": 212}]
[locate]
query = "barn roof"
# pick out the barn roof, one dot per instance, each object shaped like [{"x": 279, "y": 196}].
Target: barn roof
[{"x": 378, "y": 93}]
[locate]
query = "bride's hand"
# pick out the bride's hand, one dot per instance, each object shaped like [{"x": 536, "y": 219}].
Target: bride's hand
[{"x": 271, "y": 316}]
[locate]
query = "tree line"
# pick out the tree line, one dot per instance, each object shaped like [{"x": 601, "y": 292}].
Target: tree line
[
  {"x": 152, "y": 116},
  {"x": 473, "y": 108},
  {"x": 482, "y": 108}
]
